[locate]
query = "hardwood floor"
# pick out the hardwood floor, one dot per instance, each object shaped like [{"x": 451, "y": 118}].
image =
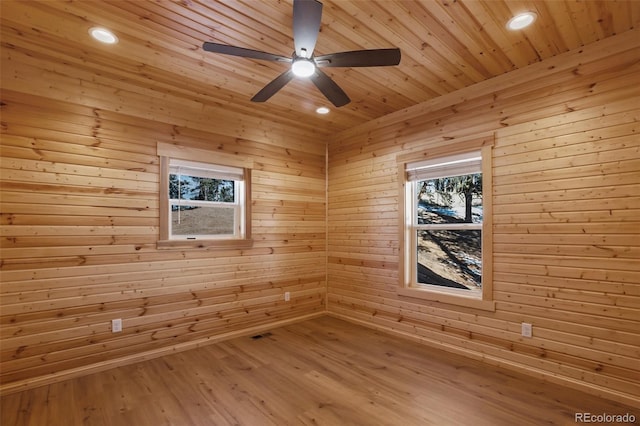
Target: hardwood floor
[{"x": 323, "y": 371}]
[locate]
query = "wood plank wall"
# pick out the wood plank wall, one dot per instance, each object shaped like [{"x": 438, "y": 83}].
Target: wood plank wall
[
  {"x": 566, "y": 173},
  {"x": 79, "y": 222}
]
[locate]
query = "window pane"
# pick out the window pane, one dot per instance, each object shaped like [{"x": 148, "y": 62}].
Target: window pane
[
  {"x": 450, "y": 258},
  {"x": 198, "y": 188},
  {"x": 455, "y": 199},
  {"x": 190, "y": 220}
]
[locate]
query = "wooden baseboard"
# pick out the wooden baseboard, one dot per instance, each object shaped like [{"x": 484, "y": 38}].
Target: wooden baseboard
[
  {"x": 60, "y": 376},
  {"x": 589, "y": 388},
  {"x": 18, "y": 386}
]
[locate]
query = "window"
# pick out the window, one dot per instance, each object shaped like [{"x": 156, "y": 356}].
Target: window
[
  {"x": 206, "y": 200},
  {"x": 446, "y": 228},
  {"x": 203, "y": 204}
]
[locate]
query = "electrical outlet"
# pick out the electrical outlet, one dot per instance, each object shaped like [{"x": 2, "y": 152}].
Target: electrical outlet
[
  {"x": 527, "y": 330},
  {"x": 116, "y": 325},
  {"x": 287, "y": 296}
]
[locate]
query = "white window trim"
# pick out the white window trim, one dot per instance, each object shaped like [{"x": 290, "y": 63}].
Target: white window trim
[
  {"x": 214, "y": 163},
  {"x": 213, "y": 171},
  {"x": 408, "y": 285}
]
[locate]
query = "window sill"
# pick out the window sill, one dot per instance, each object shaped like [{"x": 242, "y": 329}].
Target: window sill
[
  {"x": 448, "y": 298},
  {"x": 205, "y": 244}
]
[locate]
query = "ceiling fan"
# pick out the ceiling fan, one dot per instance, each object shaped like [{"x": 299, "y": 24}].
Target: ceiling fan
[{"x": 306, "y": 27}]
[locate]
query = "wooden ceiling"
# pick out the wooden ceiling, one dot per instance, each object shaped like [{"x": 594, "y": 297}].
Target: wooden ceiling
[{"x": 446, "y": 45}]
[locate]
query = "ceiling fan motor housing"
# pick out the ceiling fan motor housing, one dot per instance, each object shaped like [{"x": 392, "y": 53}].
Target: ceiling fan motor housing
[{"x": 307, "y": 15}]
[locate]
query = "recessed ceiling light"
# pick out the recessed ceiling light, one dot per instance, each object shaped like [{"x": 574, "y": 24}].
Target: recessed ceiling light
[
  {"x": 521, "y": 20},
  {"x": 103, "y": 35},
  {"x": 322, "y": 110}
]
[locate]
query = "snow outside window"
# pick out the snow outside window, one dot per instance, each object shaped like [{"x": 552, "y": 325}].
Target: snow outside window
[
  {"x": 446, "y": 236},
  {"x": 445, "y": 200}
]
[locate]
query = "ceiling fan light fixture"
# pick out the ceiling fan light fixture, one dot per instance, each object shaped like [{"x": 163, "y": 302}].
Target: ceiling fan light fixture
[
  {"x": 307, "y": 19},
  {"x": 322, "y": 110},
  {"x": 103, "y": 35},
  {"x": 521, "y": 20},
  {"x": 302, "y": 67}
]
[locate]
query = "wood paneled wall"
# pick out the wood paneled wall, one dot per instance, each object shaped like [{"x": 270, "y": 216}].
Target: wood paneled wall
[
  {"x": 80, "y": 218},
  {"x": 566, "y": 173}
]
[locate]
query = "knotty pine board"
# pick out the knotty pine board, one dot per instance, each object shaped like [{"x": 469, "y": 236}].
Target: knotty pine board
[
  {"x": 80, "y": 223},
  {"x": 566, "y": 192}
]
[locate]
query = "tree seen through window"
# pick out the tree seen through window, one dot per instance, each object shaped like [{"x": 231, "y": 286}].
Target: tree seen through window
[
  {"x": 203, "y": 203},
  {"x": 449, "y": 250}
]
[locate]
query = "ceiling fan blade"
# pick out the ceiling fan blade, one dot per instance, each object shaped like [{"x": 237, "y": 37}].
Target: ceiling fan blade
[
  {"x": 360, "y": 58},
  {"x": 242, "y": 52},
  {"x": 272, "y": 88},
  {"x": 330, "y": 89},
  {"x": 306, "y": 26}
]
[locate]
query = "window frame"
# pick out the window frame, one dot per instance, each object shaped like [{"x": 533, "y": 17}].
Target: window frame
[
  {"x": 212, "y": 171},
  {"x": 240, "y": 239},
  {"x": 408, "y": 285}
]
